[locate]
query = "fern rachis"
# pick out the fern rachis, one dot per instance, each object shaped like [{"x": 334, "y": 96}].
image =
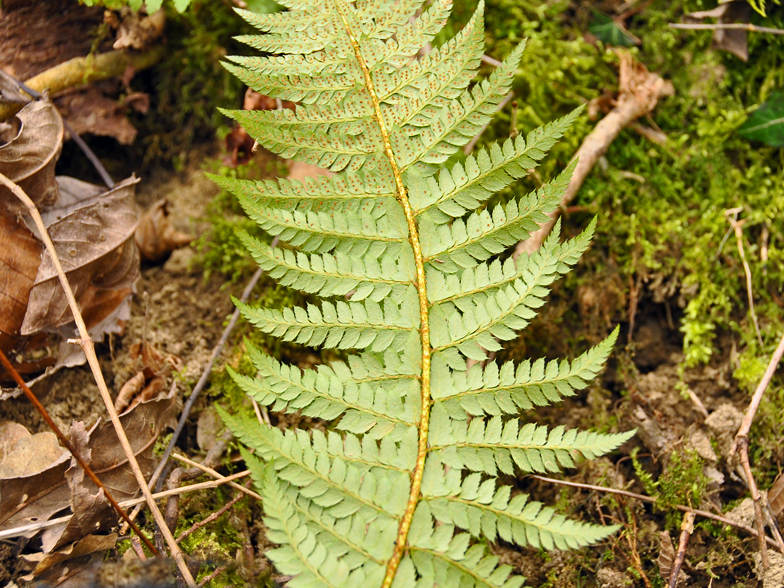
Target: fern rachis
[{"x": 403, "y": 489}]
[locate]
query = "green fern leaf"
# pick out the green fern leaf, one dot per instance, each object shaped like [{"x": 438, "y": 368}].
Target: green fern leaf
[{"x": 403, "y": 489}]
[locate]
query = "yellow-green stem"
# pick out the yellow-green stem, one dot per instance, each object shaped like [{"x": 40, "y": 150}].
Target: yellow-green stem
[{"x": 413, "y": 235}]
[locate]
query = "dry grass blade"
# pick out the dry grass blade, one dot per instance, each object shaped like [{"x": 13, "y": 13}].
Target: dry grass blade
[
  {"x": 648, "y": 499},
  {"x": 89, "y": 350},
  {"x": 19, "y": 531}
]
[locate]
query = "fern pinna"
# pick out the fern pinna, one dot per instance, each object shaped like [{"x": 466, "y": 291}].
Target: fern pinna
[{"x": 403, "y": 489}]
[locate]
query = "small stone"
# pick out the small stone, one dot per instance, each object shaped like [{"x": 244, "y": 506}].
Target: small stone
[
  {"x": 743, "y": 513},
  {"x": 179, "y": 261},
  {"x": 208, "y": 427},
  {"x": 773, "y": 577},
  {"x": 609, "y": 578},
  {"x": 699, "y": 442}
]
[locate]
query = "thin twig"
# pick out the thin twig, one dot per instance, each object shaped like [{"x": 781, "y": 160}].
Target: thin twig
[
  {"x": 741, "y": 444},
  {"x": 87, "y": 345},
  {"x": 639, "y": 92},
  {"x": 219, "y": 481},
  {"x": 137, "y": 548},
  {"x": 205, "y": 375},
  {"x": 738, "y": 26},
  {"x": 67, "y": 443},
  {"x": 214, "y": 474},
  {"x": 745, "y": 426},
  {"x": 743, "y": 450},
  {"x": 648, "y": 499},
  {"x": 85, "y": 70},
  {"x": 213, "y": 575},
  {"x": 687, "y": 528},
  {"x": 732, "y": 216},
  {"x": 491, "y": 61},
  {"x": 198, "y": 525},
  {"x": 774, "y": 527}
]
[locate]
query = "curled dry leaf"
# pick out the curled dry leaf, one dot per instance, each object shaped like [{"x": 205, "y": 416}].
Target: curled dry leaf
[
  {"x": 73, "y": 566},
  {"x": 38, "y": 496},
  {"x": 156, "y": 237},
  {"x": 92, "y": 234},
  {"x": 239, "y": 144},
  {"x": 94, "y": 241},
  {"x": 20, "y": 256},
  {"x": 90, "y": 111},
  {"x": 136, "y": 31},
  {"x": 150, "y": 379},
  {"x": 28, "y": 159}
]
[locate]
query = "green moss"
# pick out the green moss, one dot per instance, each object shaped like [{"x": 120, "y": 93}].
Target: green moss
[
  {"x": 190, "y": 83},
  {"x": 662, "y": 208},
  {"x": 682, "y": 482},
  {"x": 220, "y": 250}
]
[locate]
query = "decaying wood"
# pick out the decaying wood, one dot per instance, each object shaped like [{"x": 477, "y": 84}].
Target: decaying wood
[
  {"x": 85, "y": 70},
  {"x": 639, "y": 92}
]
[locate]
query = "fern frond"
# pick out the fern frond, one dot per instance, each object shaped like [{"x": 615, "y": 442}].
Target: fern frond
[
  {"x": 508, "y": 389},
  {"x": 366, "y": 276},
  {"x": 350, "y": 231},
  {"x": 411, "y": 269},
  {"x": 302, "y": 550},
  {"x": 446, "y": 558},
  {"x": 484, "y": 280},
  {"x": 476, "y": 321},
  {"x": 468, "y": 185},
  {"x": 492, "y": 445},
  {"x": 375, "y": 408},
  {"x": 346, "y": 192},
  {"x": 487, "y": 510},
  {"x": 449, "y": 248},
  {"x": 344, "y": 481},
  {"x": 342, "y": 325}
]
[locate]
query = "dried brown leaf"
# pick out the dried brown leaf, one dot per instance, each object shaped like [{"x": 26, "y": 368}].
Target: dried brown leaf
[
  {"x": 299, "y": 170},
  {"x": 776, "y": 496},
  {"x": 29, "y": 158},
  {"x": 37, "y": 497},
  {"x": 10, "y": 433},
  {"x": 90, "y": 111},
  {"x": 31, "y": 454},
  {"x": 156, "y": 237},
  {"x": 80, "y": 570},
  {"x": 150, "y": 380},
  {"x": 139, "y": 32},
  {"x": 92, "y": 513},
  {"x": 93, "y": 239},
  {"x": 20, "y": 256},
  {"x": 666, "y": 556},
  {"x": 730, "y": 40}
]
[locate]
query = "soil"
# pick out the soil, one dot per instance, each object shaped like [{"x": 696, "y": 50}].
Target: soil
[{"x": 182, "y": 314}]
